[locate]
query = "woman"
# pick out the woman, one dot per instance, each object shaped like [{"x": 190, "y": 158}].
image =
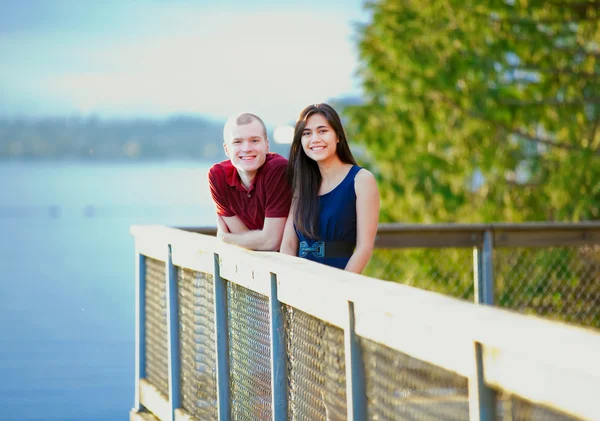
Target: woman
[{"x": 335, "y": 209}]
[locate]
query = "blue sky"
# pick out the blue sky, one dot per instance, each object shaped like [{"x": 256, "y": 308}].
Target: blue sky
[{"x": 122, "y": 59}]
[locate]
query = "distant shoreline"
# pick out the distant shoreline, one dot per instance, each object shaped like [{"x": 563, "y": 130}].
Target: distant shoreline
[{"x": 88, "y": 140}]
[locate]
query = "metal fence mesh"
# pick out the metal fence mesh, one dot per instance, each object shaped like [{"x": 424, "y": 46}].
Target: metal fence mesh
[
  {"x": 400, "y": 387},
  {"x": 316, "y": 368},
  {"x": 562, "y": 283},
  {"x": 445, "y": 270},
  {"x": 157, "y": 354},
  {"x": 249, "y": 354},
  {"x": 512, "y": 408},
  {"x": 197, "y": 344}
]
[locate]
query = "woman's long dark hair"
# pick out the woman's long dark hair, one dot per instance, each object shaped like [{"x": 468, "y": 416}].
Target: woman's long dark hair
[{"x": 303, "y": 172}]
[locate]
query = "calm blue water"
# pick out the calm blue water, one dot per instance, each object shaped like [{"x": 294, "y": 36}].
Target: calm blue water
[{"x": 67, "y": 280}]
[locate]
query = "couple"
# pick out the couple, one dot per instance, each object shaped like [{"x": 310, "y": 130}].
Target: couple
[{"x": 319, "y": 205}]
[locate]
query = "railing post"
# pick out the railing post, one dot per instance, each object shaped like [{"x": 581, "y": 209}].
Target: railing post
[
  {"x": 173, "y": 329},
  {"x": 278, "y": 356},
  {"x": 482, "y": 399},
  {"x": 140, "y": 328},
  {"x": 355, "y": 373},
  {"x": 483, "y": 269},
  {"x": 222, "y": 343}
]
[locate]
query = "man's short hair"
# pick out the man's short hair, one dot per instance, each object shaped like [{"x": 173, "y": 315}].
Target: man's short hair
[{"x": 241, "y": 119}]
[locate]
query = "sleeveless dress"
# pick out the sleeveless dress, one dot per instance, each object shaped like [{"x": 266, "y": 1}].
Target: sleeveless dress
[{"x": 337, "y": 226}]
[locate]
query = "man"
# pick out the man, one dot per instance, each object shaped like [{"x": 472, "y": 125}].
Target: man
[{"x": 250, "y": 189}]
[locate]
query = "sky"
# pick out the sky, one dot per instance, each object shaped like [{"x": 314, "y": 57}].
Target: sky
[{"x": 129, "y": 59}]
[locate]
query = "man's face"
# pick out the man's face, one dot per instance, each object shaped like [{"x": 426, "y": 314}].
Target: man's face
[{"x": 247, "y": 148}]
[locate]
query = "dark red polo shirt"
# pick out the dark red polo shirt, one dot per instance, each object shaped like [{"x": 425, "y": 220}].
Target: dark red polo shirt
[{"x": 269, "y": 195}]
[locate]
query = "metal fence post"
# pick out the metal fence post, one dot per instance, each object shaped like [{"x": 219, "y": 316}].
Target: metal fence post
[
  {"x": 482, "y": 399},
  {"x": 140, "y": 327},
  {"x": 483, "y": 269},
  {"x": 173, "y": 332},
  {"x": 278, "y": 356},
  {"x": 355, "y": 373},
  {"x": 222, "y": 343}
]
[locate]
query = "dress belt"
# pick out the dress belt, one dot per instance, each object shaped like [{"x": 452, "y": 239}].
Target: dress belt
[{"x": 326, "y": 249}]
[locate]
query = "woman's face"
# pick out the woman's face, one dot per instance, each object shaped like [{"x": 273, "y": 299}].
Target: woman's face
[{"x": 319, "y": 140}]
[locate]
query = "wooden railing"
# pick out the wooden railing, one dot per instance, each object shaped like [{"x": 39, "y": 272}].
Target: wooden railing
[{"x": 507, "y": 360}]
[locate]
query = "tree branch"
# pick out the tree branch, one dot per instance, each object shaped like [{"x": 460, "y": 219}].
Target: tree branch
[
  {"x": 525, "y": 20},
  {"x": 594, "y": 130},
  {"x": 555, "y": 71},
  {"x": 579, "y": 6},
  {"x": 436, "y": 95},
  {"x": 549, "y": 101},
  {"x": 580, "y": 49}
]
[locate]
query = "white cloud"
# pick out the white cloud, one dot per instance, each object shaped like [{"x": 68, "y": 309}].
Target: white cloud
[{"x": 272, "y": 63}]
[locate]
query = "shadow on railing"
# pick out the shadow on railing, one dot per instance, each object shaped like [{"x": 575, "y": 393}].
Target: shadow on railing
[{"x": 226, "y": 333}]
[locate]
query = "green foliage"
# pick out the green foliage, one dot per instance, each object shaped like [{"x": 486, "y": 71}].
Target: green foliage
[
  {"x": 445, "y": 270},
  {"x": 482, "y": 111}
]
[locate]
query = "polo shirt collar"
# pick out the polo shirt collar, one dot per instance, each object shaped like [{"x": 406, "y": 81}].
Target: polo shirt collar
[{"x": 234, "y": 180}]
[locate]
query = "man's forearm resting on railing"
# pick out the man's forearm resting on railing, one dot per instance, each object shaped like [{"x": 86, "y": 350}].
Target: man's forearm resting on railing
[{"x": 232, "y": 230}]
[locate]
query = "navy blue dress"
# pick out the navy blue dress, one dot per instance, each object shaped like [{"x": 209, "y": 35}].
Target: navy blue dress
[{"x": 337, "y": 226}]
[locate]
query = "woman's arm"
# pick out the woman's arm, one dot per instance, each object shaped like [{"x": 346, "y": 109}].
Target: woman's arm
[
  {"x": 289, "y": 244},
  {"x": 367, "y": 220}
]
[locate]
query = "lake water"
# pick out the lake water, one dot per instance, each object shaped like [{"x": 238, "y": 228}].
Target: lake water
[{"x": 67, "y": 279}]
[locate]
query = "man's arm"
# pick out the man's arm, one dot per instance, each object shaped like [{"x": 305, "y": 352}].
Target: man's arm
[
  {"x": 236, "y": 225},
  {"x": 266, "y": 239}
]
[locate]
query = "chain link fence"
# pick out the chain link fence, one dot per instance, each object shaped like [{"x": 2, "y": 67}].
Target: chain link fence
[
  {"x": 513, "y": 408},
  {"x": 197, "y": 344},
  {"x": 400, "y": 387},
  {"x": 445, "y": 270},
  {"x": 157, "y": 350},
  {"x": 561, "y": 283},
  {"x": 249, "y": 354},
  {"x": 316, "y": 368},
  {"x": 557, "y": 282}
]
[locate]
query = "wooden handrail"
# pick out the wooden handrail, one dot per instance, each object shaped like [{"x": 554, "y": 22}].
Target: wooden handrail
[{"x": 527, "y": 234}]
